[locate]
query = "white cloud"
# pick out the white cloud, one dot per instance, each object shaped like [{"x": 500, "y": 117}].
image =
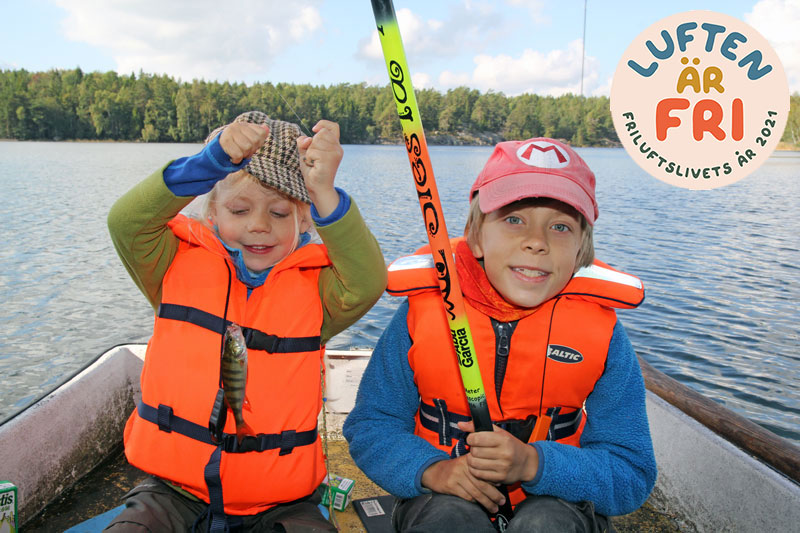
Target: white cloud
[
  {"x": 473, "y": 26},
  {"x": 535, "y": 9},
  {"x": 552, "y": 73},
  {"x": 449, "y": 79},
  {"x": 305, "y": 23},
  {"x": 469, "y": 26},
  {"x": 603, "y": 89},
  {"x": 421, "y": 80},
  {"x": 235, "y": 41},
  {"x": 778, "y": 21},
  {"x": 413, "y": 31}
]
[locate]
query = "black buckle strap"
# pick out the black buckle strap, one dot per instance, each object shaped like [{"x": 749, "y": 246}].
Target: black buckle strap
[
  {"x": 521, "y": 429},
  {"x": 255, "y": 339},
  {"x": 565, "y": 425},
  {"x": 166, "y": 420},
  {"x": 218, "y": 521},
  {"x": 445, "y": 423},
  {"x": 288, "y": 441},
  {"x": 216, "y": 509},
  {"x": 438, "y": 419}
]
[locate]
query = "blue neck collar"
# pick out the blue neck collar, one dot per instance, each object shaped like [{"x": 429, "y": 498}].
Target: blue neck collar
[{"x": 247, "y": 276}]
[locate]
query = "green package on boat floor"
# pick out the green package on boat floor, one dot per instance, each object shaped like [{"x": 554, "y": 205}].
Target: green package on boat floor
[
  {"x": 340, "y": 489},
  {"x": 8, "y": 507}
]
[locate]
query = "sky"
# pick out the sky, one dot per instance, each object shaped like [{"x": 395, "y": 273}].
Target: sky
[{"x": 509, "y": 46}]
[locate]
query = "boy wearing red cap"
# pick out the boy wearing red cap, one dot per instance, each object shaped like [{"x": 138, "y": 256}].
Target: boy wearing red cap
[{"x": 549, "y": 347}]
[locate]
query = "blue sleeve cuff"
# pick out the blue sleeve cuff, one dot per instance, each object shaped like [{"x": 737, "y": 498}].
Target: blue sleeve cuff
[
  {"x": 418, "y": 477},
  {"x": 338, "y": 213},
  {"x": 540, "y": 468},
  {"x": 197, "y": 174}
]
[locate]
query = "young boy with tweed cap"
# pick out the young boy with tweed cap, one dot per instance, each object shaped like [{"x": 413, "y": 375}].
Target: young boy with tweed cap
[
  {"x": 249, "y": 261},
  {"x": 562, "y": 383}
]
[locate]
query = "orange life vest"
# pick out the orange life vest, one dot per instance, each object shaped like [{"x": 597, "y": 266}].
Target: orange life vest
[
  {"x": 549, "y": 363},
  {"x": 168, "y": 436}
]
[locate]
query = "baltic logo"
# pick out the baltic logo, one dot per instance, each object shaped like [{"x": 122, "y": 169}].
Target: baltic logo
[
  {"x": 542, "y": 154},
  {"x": 564, "y": 354},
  {"x": 699, "y": 100}
]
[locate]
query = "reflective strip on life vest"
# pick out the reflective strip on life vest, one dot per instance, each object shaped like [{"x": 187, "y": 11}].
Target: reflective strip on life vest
[
  {"x": 597, "y": 271},
  {"x": 605, "y": 285}
]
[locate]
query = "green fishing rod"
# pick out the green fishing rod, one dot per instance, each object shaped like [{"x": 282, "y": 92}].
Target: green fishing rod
[{"x": 428, "y": 194}]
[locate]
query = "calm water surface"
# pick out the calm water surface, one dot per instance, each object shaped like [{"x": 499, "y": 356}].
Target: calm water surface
[{"x": 721, "y": 267}]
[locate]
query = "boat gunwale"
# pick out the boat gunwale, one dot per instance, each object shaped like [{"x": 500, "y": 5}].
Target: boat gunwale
[
  {"x": 65, "y": 381},
  {"x": 769, "y": 448}
]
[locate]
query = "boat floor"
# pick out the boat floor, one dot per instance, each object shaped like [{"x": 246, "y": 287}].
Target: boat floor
[{"x": 105, "y": 486}]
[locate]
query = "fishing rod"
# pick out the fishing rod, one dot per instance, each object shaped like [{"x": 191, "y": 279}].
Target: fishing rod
[{"x": 428, "y": 194}]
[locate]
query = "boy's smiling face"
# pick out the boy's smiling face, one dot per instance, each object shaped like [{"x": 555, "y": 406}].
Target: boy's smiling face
[
  {"x": 259, "y": 221},
  {"x": 529, "y": 249}
]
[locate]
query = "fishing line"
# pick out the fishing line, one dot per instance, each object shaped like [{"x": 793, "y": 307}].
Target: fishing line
[
  {"x": 583, "y": 46},
  {"x": 323, "y": 389},
  {"x": 225, "y": 320},
  {"x": 302, "y": 124}
]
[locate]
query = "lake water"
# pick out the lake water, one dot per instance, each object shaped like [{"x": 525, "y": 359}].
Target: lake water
[{"x": 721, "y": 267}]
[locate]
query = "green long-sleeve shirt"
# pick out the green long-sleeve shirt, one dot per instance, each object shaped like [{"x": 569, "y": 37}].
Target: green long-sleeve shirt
[{"x": 348, "y": 288}]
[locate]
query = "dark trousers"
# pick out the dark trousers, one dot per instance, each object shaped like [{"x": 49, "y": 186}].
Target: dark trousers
[
  {"x": 155, "y": 507},
  {"x": 441, "y": 512}
]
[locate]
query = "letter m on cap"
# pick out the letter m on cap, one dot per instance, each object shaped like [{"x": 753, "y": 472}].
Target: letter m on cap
[{"x": 528, "y": 156}]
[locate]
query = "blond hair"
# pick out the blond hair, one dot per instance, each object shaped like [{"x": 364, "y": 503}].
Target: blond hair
[
  {"x": 476, "y": 218},
  {"x": 237, "y": 180}
]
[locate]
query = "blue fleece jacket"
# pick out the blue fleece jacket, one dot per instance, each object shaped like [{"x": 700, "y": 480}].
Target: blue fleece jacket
[{"x": 615, "y": 467}]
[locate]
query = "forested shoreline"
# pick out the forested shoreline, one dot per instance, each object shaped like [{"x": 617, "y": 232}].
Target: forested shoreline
[{"x": 105, "y": 106}]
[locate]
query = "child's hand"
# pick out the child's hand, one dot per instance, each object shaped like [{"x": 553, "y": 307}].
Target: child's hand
[
  {"x": 320, "y": 156},
  {"x": 498, "y": 456},
  {"x": 452, "y": 476},
  {"x": 240, "y": 140}
]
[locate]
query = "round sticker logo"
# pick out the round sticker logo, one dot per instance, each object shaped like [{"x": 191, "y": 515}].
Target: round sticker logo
[
  {"x": 699, "y": 100},
  {"x": 542, "y": 154}
]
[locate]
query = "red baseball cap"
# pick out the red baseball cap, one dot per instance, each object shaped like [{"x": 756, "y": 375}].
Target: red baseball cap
[{"x": 536, "y": 168}]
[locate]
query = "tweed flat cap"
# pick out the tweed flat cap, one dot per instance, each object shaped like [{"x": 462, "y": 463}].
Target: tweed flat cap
[{"x": 277, "y": 163}]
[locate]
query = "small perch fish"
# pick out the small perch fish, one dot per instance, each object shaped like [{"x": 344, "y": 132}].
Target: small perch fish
[{"x": 234, "y": 377}]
